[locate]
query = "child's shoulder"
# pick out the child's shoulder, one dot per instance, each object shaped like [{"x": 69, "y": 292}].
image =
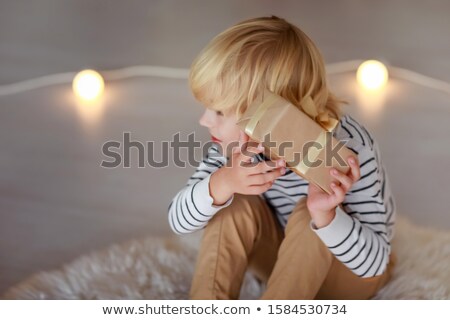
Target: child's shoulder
[{"x": 354, "y": 133}]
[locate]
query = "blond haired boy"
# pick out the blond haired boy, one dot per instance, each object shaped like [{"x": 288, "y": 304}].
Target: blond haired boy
[{"x": 299, "y": 241}]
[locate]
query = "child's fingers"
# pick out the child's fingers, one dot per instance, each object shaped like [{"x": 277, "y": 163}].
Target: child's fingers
[
  {"x": 354, "y": 168},
  {"x": 269, "y": 165},
  {"x": 339, "y": 193},
  {"x": 250, "y": 150},
  {"x": 345, "y": 180},
  {"x": 263, "y": 178}
]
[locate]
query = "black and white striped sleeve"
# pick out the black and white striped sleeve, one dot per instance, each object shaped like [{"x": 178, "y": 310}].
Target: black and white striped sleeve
[
  {"x": 358, "y": 235},
  {"x": 192, "y": 207}
]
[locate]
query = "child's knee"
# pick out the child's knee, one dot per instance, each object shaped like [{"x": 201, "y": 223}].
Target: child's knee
[{"x": 243, "y": 207}]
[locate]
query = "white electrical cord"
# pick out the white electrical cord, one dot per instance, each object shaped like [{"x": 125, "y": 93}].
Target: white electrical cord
[
  {"x": 419, "y": 79},
  {"x": 35, "y": 83},
  {"x": 179, "y": 73}
]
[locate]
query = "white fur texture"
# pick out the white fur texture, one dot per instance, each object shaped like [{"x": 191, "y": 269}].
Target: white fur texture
[{"x": 162, "y": 268}]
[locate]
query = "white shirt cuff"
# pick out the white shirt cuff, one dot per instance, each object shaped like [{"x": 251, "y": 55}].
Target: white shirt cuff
[
  {"x": 338, "y": 229},
  {"x": 203, "y": 199}
]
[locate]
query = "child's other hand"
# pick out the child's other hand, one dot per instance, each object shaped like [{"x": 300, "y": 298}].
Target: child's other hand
[
  {"x": 242, "y": 176},
  {"x": 321, "y": 205}
]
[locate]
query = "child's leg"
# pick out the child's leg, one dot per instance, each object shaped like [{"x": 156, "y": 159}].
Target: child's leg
[
  {"x": 341, "y": 283},
  {"x": 303, "y": 260},
  {"x": 306, "y": 269},
  {"x": 228, "y": 244}
]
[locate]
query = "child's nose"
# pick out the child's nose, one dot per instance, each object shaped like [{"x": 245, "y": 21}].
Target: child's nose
[
  {"x": 205, "y": 120},
  {"x": 202, "y": 121}
]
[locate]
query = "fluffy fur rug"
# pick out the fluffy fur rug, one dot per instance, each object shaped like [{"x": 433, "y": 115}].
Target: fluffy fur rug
[{"x": 162, "y": 268}]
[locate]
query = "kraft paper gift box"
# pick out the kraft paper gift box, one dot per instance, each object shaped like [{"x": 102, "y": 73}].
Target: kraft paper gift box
[{"x": 308, "y": 143}]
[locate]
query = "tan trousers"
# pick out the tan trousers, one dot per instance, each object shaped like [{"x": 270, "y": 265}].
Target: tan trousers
[{"x": 294, "y": 264}]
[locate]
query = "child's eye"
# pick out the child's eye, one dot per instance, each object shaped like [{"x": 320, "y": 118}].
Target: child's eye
[{"x": 219, "y": 113}]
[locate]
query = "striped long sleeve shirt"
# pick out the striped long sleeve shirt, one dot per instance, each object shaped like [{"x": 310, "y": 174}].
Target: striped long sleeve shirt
[{"x": 360, "y": 233}]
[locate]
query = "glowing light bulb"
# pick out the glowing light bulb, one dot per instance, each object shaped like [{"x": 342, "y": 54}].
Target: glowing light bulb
[
  {"x": 372, "y": 75},
  {"x": 88, "y": 85}
]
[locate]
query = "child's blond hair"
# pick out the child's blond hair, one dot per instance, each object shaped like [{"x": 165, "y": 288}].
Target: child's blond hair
[{"x": 266, "y": 52}]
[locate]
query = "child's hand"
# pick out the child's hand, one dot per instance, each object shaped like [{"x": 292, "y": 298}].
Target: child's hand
[
  {"x": 242, "y": 176},
  {"x": 321, "y": 205}
]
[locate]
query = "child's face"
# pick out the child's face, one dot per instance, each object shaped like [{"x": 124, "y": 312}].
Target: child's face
[{"x": 223, "y": 129}]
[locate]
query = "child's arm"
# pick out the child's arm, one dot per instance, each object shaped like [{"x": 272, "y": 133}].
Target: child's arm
[
  {"x": 192, "y": 207},
  {"x": 359, "y": 235}
]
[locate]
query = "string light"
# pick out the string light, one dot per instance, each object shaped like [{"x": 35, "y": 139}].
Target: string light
[
  {"x": 88, "y": 85},
  {"x": 372, "y": 75},
  {"x": 178, "y": 73}
]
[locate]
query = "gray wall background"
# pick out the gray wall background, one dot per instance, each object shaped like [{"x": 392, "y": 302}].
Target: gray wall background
[{"x": 57, "y": 203}]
